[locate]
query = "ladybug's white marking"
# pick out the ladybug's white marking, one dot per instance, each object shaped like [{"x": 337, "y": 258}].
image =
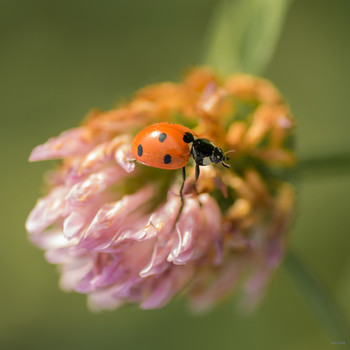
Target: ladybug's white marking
[
  {"x": 206, "y": 161},
  {"x": 154, "y": 133}
]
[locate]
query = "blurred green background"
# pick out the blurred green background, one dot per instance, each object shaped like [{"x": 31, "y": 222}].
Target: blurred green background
[{"x": 61, "y": 58}]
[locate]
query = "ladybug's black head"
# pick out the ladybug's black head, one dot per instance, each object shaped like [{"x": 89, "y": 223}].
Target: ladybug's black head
[
  {"x": 205, "y": 152},
  {"x": 218, "y": 157}
]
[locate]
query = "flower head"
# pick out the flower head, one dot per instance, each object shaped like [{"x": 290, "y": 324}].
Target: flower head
[{"x": 112, "y": 225}]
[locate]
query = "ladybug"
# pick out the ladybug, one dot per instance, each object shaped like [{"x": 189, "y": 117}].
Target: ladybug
[{"x": 170, "y": 146}]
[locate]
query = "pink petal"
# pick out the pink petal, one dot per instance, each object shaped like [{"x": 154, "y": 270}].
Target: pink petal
[
  {"x": 92, "y": 161},
  {"x": 74, "y": 272},
  {"x": 161, "y": 294},
  {"x": 104, "y": 299},
  {"x": 199, "y": 228},
  {"x": 110, "y": 219},
  {"x": 75, "y": 222},
  {"x": 111, "y": 273},
  {"x": 124, "y": 158},
  {"x": 164, "y": 219},
  {"x": 74, "y": 142},
  {"x": 157, "y": 263},
  {"x": 117, "y": 149},
  {"x": 122, "y": 267},
  {"x": 86, "y": 191},
  {"x": 52, "y": 239},
  {"x": 268, "y": 259},
  {"x": 212, "y": 214},
  {"x": 47, "y": 210},
  {"x": 59, "y": 256},
  {"x": 132, "y": 289},
  {"x": 166, "y": 286},
  {"x": 189, "y": 226},
  {"x": 223, "y": 281}
]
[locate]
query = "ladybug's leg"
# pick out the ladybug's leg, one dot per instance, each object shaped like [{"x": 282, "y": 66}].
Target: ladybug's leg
[
  {"x": 181, "y": 195},
  {"x": 197, "y": 171},
  {"x": 183, "y": 183}
]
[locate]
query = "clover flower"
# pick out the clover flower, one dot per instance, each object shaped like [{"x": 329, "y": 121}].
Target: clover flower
[{"x": 110, "y": 223}]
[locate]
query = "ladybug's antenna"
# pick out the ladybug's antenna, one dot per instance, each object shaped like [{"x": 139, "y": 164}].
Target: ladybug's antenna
[
  {"x": 230, "y": 151},
  {"x": 226, "y": 158},
  {"x": 225, "y": 165}
]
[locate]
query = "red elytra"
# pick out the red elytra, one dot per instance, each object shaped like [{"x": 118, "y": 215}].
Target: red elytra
[{"x": 162, "y": 145}]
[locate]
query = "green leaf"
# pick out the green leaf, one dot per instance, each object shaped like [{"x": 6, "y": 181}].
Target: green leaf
[{"x": 243, "y": 34}]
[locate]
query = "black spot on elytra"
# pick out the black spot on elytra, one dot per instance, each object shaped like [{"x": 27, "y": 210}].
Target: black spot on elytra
[
  {"x": 188, "y": 137},
  {"x": 162, "y": 137},
  {"x": 139, "y": 150},
  {"x": 167, "y": 159}
]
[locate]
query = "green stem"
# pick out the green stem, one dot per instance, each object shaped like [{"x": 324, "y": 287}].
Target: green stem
[
  {"x": 325, "y": 165},
  {"x": 323, "y": 306}
]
